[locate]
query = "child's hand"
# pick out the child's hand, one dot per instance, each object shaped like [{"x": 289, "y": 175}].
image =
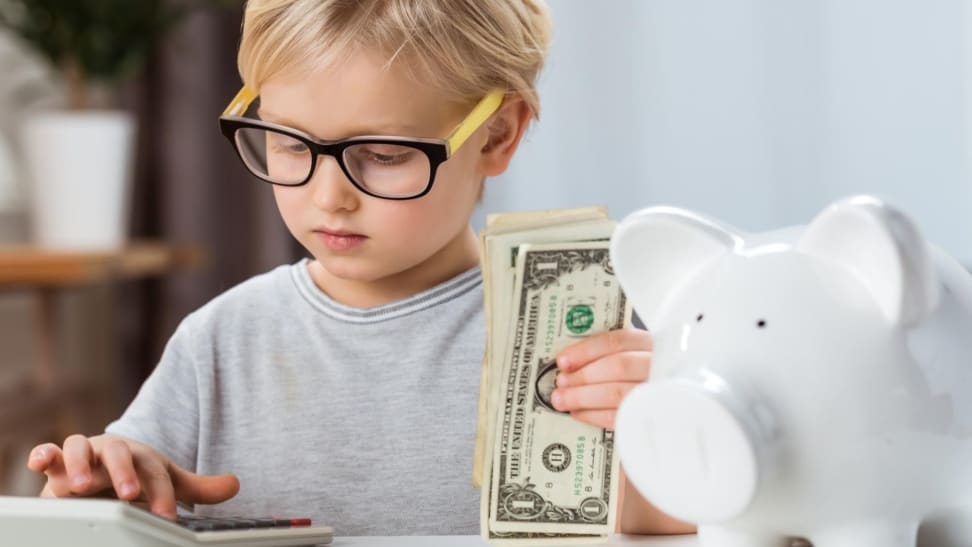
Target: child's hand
[
  {"x": 135, "y": 471},
  {"x": 597, "y": 372}
]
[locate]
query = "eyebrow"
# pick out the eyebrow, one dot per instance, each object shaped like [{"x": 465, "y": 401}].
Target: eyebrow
[{"x": 389, "y": 129}]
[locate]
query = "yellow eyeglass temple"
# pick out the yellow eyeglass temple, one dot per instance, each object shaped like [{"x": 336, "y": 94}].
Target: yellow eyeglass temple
[
  {"x": 480, "y": 113},
  {"x": 240, "y": 103}
]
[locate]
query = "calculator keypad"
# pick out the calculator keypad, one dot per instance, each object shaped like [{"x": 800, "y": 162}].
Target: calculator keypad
[{"x": 207, "y": 524}]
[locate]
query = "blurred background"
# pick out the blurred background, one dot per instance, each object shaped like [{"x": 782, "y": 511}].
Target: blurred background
[{"x": 758, "y": 112}]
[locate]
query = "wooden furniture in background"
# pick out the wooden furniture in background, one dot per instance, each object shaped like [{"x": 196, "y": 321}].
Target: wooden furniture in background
[
  {"x": 46, "y": 404},
  {"x": 28, "y": 267}
]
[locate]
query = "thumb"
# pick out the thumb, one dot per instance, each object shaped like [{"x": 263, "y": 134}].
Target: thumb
[{"x": 202, "y": 489}]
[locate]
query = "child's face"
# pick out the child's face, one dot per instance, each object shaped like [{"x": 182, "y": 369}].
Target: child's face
[{"x": 357, "y": 98}]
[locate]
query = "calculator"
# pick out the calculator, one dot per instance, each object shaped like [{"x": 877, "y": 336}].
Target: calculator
[{"x": 84, "y": 522}]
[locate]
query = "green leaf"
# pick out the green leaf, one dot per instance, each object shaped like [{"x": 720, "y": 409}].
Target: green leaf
[{"x": 107, "y": 39}]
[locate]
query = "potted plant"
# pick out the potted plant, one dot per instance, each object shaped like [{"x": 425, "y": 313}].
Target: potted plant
[
  {"x": 79, "y": 159},
  {"x": 26, "y": 86}
]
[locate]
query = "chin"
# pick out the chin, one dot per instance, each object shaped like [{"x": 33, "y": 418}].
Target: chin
[
  {"x": 371, "y": 265},
  {"x": 350, "y": 269}
]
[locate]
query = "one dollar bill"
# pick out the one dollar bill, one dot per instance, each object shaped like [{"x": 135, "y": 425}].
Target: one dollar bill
[
  {"x": 550, "y": 473},
  {"x": 500, "y": 242}
]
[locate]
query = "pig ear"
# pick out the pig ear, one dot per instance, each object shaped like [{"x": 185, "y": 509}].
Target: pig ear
[
  {"x": 884, "y": 249},
  {"x": 652, "y": 250}
]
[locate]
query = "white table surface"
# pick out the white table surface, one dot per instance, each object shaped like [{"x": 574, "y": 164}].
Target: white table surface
[{"x": 476, "y": 541}]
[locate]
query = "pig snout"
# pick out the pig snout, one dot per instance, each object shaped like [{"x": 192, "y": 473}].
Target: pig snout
[{"x": 687, "y": 451}]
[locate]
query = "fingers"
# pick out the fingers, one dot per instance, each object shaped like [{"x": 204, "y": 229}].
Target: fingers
[
  {"x": 598, "y": 372},
  {"x": 630, "y": 366},
  {"x": 135, "y": 471},
  {"x": 48, "y": 459},
  {"x": 118, "y": 461},
  {"x": 591, "y": 397},
  {"x": 156, "y": 484},
  {"x": 78, "y": 460},
  {"x": 601, "y": 345},
  {"x": 69, "y": 471},
  {"x": 43, "y": 456},
  {"x": 200, "y": 489}
]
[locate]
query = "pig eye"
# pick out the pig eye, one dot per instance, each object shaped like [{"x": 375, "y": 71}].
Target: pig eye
[
  {"x": 761, "y": 323},
  {"x": 699, "y": 318}
]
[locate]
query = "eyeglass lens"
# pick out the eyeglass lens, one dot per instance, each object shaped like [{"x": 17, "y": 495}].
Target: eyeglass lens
[{"x": 386, "y": 169}]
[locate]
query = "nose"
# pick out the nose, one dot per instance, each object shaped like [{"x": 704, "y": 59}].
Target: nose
[
  {"x": 330, "y": 188},
  {"x": 687, "y": 451}
]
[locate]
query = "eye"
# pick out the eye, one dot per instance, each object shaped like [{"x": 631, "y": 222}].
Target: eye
[
  {"x": 385, "y": 159},
  {"x": 698, "y": 319},
  {"x": 385, "y": 154},
  {"x": 287, "y": 145},
  {"x": 761, "y": 323}
]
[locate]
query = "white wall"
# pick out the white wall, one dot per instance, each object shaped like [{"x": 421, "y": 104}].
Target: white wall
[{"x": 759, "y": 112}]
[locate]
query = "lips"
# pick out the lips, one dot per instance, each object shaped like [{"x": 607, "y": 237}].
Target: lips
[
  {"x": 339, "y": 239},
  {"x": 339, "y": 233}
]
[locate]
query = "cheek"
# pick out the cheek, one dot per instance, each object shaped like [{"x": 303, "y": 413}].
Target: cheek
[
  {"x": 289, "y": 204},
  {"x": 408, "y": 226},
  {"x": 440, "y": 213},
  {"x": 425, "y": 224},
  {"x": 457, "y": 185},
  {"x": 463, "y": 167}
]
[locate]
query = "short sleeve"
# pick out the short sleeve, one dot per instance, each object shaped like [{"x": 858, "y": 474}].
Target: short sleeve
[{"x": 165, "y": 412}]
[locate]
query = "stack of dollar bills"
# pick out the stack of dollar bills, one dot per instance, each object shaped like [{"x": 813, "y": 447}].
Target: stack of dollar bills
[{"x": 545, "y": 477}]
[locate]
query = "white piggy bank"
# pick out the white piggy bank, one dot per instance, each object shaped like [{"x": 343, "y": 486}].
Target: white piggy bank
[{"x": 812, "y": 382}]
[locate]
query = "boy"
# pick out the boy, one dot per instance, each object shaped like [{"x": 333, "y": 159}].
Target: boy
[{"x": 342, "y": 387}]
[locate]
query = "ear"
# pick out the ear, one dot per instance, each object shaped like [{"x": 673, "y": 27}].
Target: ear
[
  {"x": 652, "y": 250},
  {"x": 504, "y": 132},
  {"x": 883, "y": 248}
]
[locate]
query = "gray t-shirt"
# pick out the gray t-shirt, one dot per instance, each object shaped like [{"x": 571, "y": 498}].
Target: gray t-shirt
[{"x": 360, "y": 418}]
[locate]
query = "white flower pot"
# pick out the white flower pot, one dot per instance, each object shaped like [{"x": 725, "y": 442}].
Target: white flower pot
[
  {"x": 79, "y": 166},
  {"x": 9, "y": 190},
  {"x": 11, "y": 202}
]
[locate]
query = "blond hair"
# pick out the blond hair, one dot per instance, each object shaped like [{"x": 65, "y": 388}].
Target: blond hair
[{"x": 464, "y": 48}]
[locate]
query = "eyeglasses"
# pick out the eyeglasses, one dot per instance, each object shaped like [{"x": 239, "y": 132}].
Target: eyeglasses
[{"x": 381, "y": 166}]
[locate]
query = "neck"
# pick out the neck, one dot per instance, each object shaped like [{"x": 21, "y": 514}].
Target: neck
[{"x": 459, "y": 255}]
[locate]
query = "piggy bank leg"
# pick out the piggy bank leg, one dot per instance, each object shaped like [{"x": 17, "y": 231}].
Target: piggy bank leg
[
  {"x": 869, "y": 534},
  {"x": 712, "y": 535}
]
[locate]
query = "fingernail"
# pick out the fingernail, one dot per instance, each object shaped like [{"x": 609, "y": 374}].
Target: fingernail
[
  {"x": 562, "y": 380},
  {"x": 39, "y": 455},
  {"x": 126, "y": 489},
  {"x": 80, "y": 480},
  {"x": 563, "y": 362},
  {"x": 557, "y": 399},
  {"x": 166, "y": 514}
]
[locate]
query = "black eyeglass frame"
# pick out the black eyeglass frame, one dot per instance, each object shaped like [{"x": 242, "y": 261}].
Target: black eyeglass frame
[{"x": 436, "y": 150}]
